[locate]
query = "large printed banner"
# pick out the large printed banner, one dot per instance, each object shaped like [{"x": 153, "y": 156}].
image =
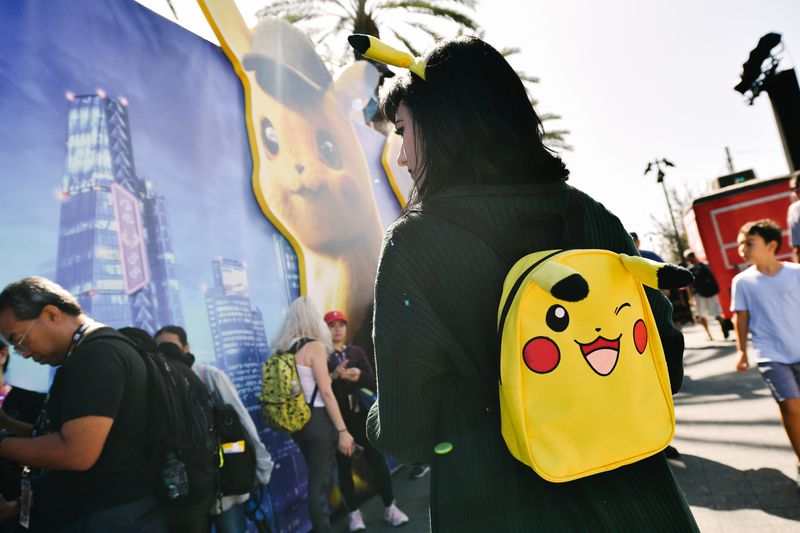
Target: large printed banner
[{"x": 146, "y": 177}]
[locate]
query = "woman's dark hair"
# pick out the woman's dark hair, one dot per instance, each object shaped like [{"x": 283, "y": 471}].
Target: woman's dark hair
[
  {"x": 473, "y": 121},
  {"x": 27, "y": 297}
]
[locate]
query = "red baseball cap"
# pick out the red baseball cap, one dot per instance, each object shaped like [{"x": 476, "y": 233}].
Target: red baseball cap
[{"x": 332, "y": 316}]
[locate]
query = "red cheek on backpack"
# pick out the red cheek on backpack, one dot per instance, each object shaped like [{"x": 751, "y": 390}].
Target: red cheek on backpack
[
  {"x": 640, "y": 336},
  {"x": 541, "y": 355}
]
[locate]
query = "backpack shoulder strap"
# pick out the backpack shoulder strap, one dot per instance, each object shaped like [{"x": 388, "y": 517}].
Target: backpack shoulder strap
[{"x": 299, "y": 344}]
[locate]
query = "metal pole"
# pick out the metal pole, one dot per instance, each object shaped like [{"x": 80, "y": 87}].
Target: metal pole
[
  {"x": 730, "y": 160},
  {"x": 674, "y": 225}
]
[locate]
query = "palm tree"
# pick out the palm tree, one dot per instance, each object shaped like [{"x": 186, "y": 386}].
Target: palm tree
[
  {"x": 554, "y": 138},
  {"x": 403, "y": 21}
]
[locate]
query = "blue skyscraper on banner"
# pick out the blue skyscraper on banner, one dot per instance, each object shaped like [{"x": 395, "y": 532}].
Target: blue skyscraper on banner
[
  {"x": 237, "y": 330},
  {"x": 288, "y": 270},
  {"x": 114, "y": 244}
]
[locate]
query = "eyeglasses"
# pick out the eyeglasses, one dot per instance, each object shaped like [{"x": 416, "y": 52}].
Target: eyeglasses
[{"x": 19, "y": 346}]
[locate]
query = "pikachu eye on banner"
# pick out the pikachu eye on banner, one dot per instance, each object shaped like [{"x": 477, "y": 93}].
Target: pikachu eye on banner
[{"x": 584, "y": 384}]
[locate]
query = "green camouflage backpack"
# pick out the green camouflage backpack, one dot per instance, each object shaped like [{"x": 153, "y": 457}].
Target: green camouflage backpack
[{"x": 282, "y": 402}]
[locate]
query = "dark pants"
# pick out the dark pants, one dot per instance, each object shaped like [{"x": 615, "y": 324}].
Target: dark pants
[
  {"x": 357, "y": 425},
  {"x": 143, "y": 515},
  {"x": 193, "y": 519},
  {"x": 317, "y": 441}
]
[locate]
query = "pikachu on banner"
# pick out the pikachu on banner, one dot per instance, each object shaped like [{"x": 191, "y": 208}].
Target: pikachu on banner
[{"x": 310, "y": 176}]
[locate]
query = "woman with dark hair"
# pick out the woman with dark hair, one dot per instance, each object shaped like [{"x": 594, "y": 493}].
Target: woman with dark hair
[{"x": 473, "y": 145}]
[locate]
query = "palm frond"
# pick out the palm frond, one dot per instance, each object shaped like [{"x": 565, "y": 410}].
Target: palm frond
[
  {"x": 527, "y": 78},
  {"x": 429, "y": 8},
  {"x": 407, "y": 43},
  {"x": 509, "y": 51},
  {"x": 279, "y": 8},
  {"x": 549, "y": 116},
  {"x": 427, "y": 29}
]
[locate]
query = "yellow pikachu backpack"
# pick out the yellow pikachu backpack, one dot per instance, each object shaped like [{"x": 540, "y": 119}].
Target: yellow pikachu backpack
[{"x": 583, "y": 385}]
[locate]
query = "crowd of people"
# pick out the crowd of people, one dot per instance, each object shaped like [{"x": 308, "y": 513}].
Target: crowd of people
[
  {"x": 78, "y": 447},
  {"x": 473, "y": 145}
]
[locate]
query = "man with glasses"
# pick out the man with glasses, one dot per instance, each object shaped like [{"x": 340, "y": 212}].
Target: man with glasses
[
  {"x": 793, "y": 217},
  {"x": 79, "y": 450}
]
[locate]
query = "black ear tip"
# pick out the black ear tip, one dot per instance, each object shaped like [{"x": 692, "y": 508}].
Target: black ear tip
[
  {"x": 573, "y": 288},
  {"x": 359, "y": 42},
  {"x": 673, "y": 277}
]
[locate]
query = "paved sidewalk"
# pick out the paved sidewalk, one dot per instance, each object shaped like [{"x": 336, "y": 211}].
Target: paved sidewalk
[{"x": 736, "y": 466}]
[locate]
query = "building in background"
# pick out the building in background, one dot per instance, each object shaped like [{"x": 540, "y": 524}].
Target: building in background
[{"x": 114, "y": 243}]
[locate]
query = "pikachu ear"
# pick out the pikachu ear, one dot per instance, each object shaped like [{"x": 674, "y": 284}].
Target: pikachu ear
[
  {"x": 561, "y": 281},
  {"x": 374, "y": 48},
  {"x": 656, "y": 275},
  {"x": 228, "y": 25}
]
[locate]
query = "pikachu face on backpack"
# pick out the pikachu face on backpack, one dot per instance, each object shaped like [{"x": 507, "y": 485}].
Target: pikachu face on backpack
[{"x": 584, "y": 383}]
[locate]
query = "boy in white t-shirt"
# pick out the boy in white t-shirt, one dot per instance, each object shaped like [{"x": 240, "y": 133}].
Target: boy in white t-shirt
[{"x": 766, "y": 303}]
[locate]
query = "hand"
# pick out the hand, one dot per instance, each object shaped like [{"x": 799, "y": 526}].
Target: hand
[
  {"x": 743, "y": 365},
  {"x": 352, "y": 374},
  {"x": 340, "y": 370},
  {"x": 8, "y": 509},
  {"x": 346, "y": 444}
]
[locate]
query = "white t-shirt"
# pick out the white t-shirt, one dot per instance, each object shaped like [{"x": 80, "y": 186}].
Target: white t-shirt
[{"x": 773, "y": 303}]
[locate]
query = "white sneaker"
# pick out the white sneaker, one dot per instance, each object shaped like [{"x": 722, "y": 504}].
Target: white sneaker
[
  {"x": 394, "y": 516},
  {"x": 356, "y": 522}
]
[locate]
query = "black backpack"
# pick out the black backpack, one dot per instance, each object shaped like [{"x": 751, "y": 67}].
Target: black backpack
[
  {"x": 237, "y": 463},
  {"x": 180, "y": 431},
  {"x": 237, "y": 469},
  {"x": 704, "y": 282}
]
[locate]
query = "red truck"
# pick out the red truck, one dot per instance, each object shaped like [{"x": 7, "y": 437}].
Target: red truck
[{"x": 712, "y": 225}]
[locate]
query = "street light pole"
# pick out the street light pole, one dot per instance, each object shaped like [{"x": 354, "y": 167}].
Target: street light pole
[{"x": 660, "y": 179}]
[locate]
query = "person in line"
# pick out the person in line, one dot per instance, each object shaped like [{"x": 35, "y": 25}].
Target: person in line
[
  {"x": 765, "y": 301},
  {"x": 91, "y": 423},
  {"x": 351, "y": 372},
  {"x": 793, "y": 217},
  {"x": 23, "y": 405},
  {"x": 304, "y": 333},
  {"x": 703, "y": 294},
  {"x": 228, "y": 512},
  {"x": 647, "y": 254},
  {"x": 472, "y": 140},
  {"x": 193, "y": 518}
]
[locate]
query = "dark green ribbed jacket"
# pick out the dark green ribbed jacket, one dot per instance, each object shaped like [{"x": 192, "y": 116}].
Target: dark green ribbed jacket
[{"x": 436, "y": 299}]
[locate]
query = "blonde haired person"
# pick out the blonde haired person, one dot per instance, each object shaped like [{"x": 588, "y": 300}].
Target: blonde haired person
[{"x": 304, "y": 333}]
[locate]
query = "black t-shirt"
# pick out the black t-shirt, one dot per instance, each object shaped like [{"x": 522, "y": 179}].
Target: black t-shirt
[
  {"x": 103, "y": 377},
  {"x": 346, "y": 392}
]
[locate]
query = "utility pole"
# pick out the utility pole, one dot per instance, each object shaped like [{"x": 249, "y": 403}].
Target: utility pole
[
  {"x": 656, "y": 163},
  {"x": 730, "y": 160}
]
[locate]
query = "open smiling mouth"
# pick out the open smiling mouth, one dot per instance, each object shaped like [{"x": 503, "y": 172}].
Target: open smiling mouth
[{"x": 602, "y": 354}]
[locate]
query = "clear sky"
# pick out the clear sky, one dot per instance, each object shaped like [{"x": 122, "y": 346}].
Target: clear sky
[{"x": 634, "y": 81}]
